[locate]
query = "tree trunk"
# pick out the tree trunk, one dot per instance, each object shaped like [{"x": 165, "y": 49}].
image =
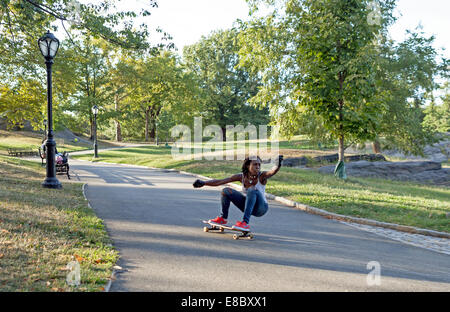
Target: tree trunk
[
  {"x": 339, "y": 171},
  {"x": 376, "y": 147},
  {"x": 118, "y": 132},
  {"x": 341, "y": 116},
  {"x": 154, "y": 113},
  {"x": 147, "y": 121},
  {"x": 341, "y": 148},
  {"x": 341, "y": 132},
  {"x": 224, "y": 133},
  {"x": 152, "y": 131},
  {"x": 118, "y": 128}
]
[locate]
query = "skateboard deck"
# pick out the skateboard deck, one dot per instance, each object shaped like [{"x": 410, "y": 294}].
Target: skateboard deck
[{"x": 221, "y": 228}]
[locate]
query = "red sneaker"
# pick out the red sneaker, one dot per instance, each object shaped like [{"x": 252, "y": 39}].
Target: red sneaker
[
  {"x": 219, "y": 221},
  {"x": 241, "y": 226}
]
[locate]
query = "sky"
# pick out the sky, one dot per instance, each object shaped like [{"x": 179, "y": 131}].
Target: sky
[
  {"x": 188, "y": 20},
  {"x": 433, "y": 15}
]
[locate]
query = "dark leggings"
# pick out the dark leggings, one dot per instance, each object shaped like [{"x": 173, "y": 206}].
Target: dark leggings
[{"x": 252, "y": 204}]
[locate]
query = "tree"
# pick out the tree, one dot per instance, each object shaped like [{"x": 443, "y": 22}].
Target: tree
[
  {"x": 328, "y": 70},
  {"x": 437, "y": 116},
  {"x": 23, "y": 22},
  {"x": 225, "y": 88},
  {"x": 85, "y": 60},
  {"x": 319, "y": 55},
  {"x": 160, "y": 85},
  {"x": 22, "y": 103},
  {"x": 406, "y": 79},
  {"x": 123, "y": 74}
]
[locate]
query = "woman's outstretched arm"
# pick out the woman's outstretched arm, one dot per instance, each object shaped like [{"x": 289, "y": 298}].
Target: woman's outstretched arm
[
  {"x": 274, "y": 170},
  {"x": 233, "y": 178}
]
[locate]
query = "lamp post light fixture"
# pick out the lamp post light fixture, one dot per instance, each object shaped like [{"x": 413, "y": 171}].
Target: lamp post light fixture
[
  {"x": 95, "y": 112},
  {"x": 48, "y": 44}
]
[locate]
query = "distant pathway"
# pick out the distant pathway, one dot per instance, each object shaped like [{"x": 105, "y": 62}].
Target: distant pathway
[{"x": 126, "y": 145}]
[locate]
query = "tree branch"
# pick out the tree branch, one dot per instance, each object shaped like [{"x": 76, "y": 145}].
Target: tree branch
[
  {"x": 47, "y": 10},
  {"x": 350, "y": 144}
]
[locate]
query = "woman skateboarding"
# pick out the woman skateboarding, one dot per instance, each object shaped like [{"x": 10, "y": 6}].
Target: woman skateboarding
[{"x": 253, "y": 185}]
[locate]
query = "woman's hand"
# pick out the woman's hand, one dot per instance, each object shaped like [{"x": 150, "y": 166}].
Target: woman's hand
[
  {"x": 280, "y": 160},
  {"x": 198, "y": 183},
  {"x": 274, "y": 170}
]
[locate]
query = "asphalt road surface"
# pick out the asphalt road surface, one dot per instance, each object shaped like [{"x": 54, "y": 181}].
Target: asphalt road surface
[{"x": 155, "y": 220}]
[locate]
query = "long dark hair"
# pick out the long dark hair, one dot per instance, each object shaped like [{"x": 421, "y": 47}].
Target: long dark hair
[{"x": 247, "y": 162}]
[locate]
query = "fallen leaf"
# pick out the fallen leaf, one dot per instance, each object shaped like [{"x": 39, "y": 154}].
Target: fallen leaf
[
  {"x": 98, "y": 261},
  {"x": 102, "y": 288},
  {"x": 1, "y": 255},
  {"x": 79, "y": 259}
]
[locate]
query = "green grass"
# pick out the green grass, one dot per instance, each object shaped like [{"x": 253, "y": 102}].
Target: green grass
[
  {"x": 32, "y": 140},
  {"x": 301, "y": 143},
  {"x": 42, "y": 230},
  {"x": 295, "y": 143},
  {"x": 405, "y": 203}
]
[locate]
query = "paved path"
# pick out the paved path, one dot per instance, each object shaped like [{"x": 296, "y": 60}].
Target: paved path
[{"x": 154, "y": 218}]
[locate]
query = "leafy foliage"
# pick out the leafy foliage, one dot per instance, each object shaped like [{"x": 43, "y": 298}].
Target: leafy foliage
[
  {"x": 23, "y": 22},
  {"x": 437, "y": 116},
  {"x": 327, "y": 71},
  {"x": 225, "y": 89},
  {"x": 22, "y": 103}
]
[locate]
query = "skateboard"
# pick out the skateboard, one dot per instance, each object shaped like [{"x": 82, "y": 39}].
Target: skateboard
[{"x": 221, "y": 228}]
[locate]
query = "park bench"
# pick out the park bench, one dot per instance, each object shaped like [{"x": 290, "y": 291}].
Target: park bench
[
  {"x": 21, "y": 152},
  {"x": 61, "y": 166},
  {"x": 42, "y": 155}
]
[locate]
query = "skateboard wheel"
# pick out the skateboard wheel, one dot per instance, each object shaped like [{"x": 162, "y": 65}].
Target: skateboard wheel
[
  {"x": 205, "y": 229},
  {"x": 222, "y": 229},
  {"x": 235, "y": 236},
  {"x": 250, "y": 236}
]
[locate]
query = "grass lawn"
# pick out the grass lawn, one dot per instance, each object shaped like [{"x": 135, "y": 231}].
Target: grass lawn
[
  {"x": 404, "y": 203},
  {"x": 42, "y": 230},
  {"x": 33, "y": 140}
]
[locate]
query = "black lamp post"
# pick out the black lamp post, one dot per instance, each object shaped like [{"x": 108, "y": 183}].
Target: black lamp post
[
  {"x": 48, "y": 44},
  {"x": 95, "y": 112},
  {"x": 45, "y": 129}
]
